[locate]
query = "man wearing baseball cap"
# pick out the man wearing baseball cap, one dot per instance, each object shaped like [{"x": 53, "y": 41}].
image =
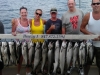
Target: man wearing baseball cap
[
  {"x": 53, "y": 10},
  {"x": 53, "y": 26}
]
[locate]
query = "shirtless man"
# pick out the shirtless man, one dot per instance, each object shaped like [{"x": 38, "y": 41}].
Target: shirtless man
[{"x": 92, "y": 20}]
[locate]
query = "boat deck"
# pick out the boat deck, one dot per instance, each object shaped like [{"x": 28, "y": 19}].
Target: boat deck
[{"x": 12, "y": 71}]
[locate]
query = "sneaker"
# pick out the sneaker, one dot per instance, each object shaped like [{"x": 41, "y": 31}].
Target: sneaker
[
  {"x": 68, "y": 72},
  {"x": 81, "y": 72}
]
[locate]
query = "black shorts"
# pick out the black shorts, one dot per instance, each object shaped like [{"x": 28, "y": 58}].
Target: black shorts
[
  {"x": 1, "y": 65},
  {"x": 97, "y": 55}
]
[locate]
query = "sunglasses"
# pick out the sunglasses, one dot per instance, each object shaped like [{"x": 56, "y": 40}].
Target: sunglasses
[
  {"x": 38, "y": 14},
  {"x": 96, "y": 3}
]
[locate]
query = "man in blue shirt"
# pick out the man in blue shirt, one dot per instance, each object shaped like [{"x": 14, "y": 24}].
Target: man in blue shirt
[{"x": 53, "y": 25}]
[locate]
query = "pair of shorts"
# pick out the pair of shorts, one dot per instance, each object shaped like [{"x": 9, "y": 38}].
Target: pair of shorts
[{"x": 97, "y": 55}]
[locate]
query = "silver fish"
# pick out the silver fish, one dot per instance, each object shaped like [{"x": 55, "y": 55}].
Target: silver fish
[
  {"x": 57, "y": 55},
  {"x": 31, "y": 52},
  {"x": 25, "y": 52},
  {"x": 50, "y": 56},
  {"x": 12, "y": 52},
  {"x": 18, "y": 50},
  {"x": 0, "y": 52},
  {"x": 2, "y": 48},
  {"x": 62, "y": 56},
  {"x": 44, "y": 55},
  {"x": 75, "y": 53},
  {"x": 90, "y": 49},
  {"x": 82, "y": 53},
  {"x": 5, "y": 53},
  {"x": 81, "y": 57},
  {"x": 69, "y": 56},
  {"x": 37, "y": 56}
]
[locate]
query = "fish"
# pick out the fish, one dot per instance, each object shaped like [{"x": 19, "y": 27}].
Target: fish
[
  {"x": 12, "y": 48},
  {"x": 18, "y": 50},
  {"x": 25, "y": 52},
  {"x": 82, "y": 53},
  {"x": 69, "y": 56},
  {"x": 75, "y": 53},
  {"x": 1, "y": 59},
  {"x": 2, "y": 47},
  {"x": 62, "y": 56},
  {"x": 31, "y": 52},
  {"x": 5, "y": 52},
  {"x": 57, "y": 55},
  {"x": 44, "y": 55},
  {"x": 50, "y": 56},
  {"x": 82, "y": 56},
  {"x": 90, "y": 49},
  {"x": 37, "y": 56}
]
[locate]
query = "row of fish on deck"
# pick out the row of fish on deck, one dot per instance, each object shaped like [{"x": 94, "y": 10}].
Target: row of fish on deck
[{"x": 63, "y": 56}]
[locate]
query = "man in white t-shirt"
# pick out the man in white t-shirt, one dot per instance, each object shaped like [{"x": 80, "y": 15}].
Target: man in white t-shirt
[{"x": 92, "y": 20}]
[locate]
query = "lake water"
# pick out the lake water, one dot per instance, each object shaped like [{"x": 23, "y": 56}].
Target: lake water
[{"x": 10, "y": 9}]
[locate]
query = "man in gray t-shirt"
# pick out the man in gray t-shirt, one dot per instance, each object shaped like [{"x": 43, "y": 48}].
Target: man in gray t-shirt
[{"x": 71, "y": 21}]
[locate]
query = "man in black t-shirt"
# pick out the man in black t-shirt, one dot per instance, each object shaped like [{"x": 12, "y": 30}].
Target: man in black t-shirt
[{"x": 53, "y": 25}]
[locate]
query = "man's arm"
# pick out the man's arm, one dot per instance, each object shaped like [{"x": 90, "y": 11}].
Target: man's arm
[
  {"x": 84, "y": 23},
  {"x": 63, "y": 30},
  {"x": 63, "y": 24}
]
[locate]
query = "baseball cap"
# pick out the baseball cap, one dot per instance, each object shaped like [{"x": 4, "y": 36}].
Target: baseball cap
[{"x": 53, "y": 10}]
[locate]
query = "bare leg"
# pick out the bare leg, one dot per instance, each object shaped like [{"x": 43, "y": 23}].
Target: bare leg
[
  {"x": 19, "y": 65},
  {"x": 86, "y": 69}
]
